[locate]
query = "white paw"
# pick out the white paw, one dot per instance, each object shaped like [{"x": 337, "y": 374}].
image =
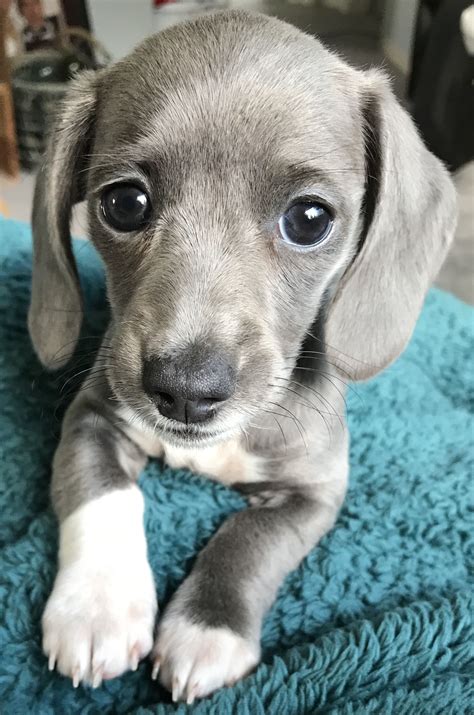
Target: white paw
[
  {"x": 100, "y": 616},
  {"x": 99, "y": 624},
  {"x": 193, "y": 660}
]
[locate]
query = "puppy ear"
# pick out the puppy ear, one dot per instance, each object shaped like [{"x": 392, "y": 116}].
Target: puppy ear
[
  {"x": 408, "y": 223},
  {"x": 55, "y": 314}
]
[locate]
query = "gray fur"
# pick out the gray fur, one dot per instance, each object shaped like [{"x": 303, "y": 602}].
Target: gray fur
[{"x": 225, "y": 120}]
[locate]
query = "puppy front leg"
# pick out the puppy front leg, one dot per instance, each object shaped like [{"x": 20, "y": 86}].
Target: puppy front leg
[
  {"x": 209, "y": 635},
  {"x": 99, "y": 619}
]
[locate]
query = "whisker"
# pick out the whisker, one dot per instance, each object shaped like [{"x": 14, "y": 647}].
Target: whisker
[
  {"x": 309, "y": 405},
  {"x": 332, "y": 413},
  {"x": 324, "y": 354},
  {"x": 332, "y": 347},
  {"x": 297, "y": 422},
  {"x": 282, "y": 433},
  {"x": 245, "y": 433},
  {"x": 81, "y": 372},
  {"x": 325, "y": 376}
]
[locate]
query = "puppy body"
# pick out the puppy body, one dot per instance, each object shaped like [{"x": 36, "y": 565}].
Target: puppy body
[{"x": 224, "y": 123}]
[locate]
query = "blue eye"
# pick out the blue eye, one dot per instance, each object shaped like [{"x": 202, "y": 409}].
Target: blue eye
[
  {"x": 305, "y": 223},
  {"x": 125, "y": 207}
]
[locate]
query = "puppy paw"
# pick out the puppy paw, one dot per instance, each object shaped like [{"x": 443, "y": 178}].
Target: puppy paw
[
  {"x": 98, "y": 624},
  {"x": 194, "y": 661}
]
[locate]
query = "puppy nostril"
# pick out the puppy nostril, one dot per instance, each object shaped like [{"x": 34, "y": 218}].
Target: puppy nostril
[
  {"x": 202, "y": 409},
  {"x": 164, "y": 397}
]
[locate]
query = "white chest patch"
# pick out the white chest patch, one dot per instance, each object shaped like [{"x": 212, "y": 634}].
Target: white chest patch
[{"x": 228, "y": 462}]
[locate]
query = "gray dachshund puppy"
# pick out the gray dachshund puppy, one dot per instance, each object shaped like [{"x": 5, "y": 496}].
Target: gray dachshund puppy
[{"x": 270, "y": 222}]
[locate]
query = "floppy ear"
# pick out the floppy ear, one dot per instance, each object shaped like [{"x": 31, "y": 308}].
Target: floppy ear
[
  {"x": 409, "y": 220},
  {"x": 55, "y": 314}
]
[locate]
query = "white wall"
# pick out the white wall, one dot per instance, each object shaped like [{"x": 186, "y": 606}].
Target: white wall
[
  {"x": 121, "y": 24},
  {"x": 398, "y": 31}
]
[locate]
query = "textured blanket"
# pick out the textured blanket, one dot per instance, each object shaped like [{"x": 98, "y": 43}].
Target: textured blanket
[{"x": 377, "y": 619}]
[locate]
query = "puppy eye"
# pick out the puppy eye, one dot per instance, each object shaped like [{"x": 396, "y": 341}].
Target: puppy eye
[
  {"x": 305, "y": 223},
  {"x": 125, "y": 207}
]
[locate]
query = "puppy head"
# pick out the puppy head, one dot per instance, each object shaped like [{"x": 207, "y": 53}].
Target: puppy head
[{"x": 241, "y": 181}]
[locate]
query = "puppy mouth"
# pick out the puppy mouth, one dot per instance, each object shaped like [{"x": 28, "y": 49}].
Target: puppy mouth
[
  {"x": 181, "y": 434},
  {"x": 190, "y": 435}
]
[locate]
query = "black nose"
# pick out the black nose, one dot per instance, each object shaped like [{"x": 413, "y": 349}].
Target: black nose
[{"x": 190, "y": 386}]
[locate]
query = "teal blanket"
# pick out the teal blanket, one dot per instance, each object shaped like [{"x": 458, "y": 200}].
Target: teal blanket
[{"x": 377, "y": 619}]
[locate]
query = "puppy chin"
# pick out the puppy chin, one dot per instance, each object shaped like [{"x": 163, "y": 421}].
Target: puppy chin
[{"x": 191, "y": 436}]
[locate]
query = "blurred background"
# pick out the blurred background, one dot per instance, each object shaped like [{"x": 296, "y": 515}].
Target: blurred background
[{"x": 427, "y": 46}]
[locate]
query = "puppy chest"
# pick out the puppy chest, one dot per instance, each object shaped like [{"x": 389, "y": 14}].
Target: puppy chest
[{"x": 227, "y": 463}]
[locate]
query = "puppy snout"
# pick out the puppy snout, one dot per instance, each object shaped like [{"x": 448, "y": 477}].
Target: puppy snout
[{"x": 189, "y": 387}]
